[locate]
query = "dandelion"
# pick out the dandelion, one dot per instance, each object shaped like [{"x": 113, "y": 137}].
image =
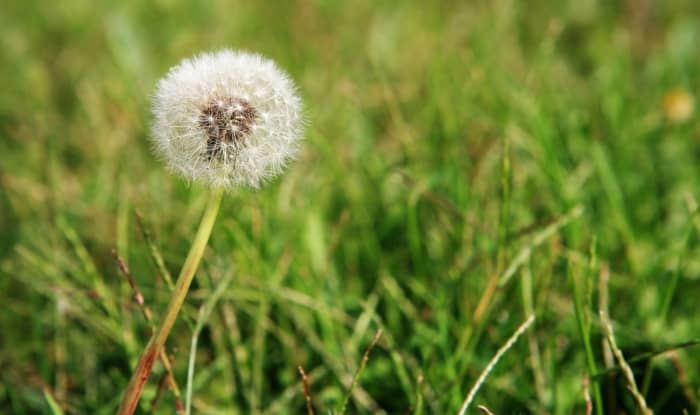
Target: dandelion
[
  {"x": 678, "y": 105},
  {"x": 222, "y": 119},
  {"x": 226, "y": 118}
]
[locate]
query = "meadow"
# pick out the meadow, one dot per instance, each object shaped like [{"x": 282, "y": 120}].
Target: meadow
[{"x": 466, "y": 165}]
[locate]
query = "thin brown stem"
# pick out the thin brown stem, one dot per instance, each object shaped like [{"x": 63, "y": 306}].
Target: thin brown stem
[
  {"x": 587, "y": 395},
  {"x": 155, "y": 252},
  {"x": 363, "y": 363},
  {"x": 169, "y": 377},
  {"x": 307, "y": 393}
]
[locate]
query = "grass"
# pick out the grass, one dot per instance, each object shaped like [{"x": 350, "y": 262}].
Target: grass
[{"x": 466, "y": 165}]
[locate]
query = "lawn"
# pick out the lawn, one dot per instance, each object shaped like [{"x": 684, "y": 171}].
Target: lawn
[{"x": 465, "y": 165}]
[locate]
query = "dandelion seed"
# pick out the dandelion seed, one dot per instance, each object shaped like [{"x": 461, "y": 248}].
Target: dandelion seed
[{"x": 227, "y": 118}]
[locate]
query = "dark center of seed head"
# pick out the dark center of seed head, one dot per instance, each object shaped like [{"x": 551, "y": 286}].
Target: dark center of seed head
[{"x": 226, "y": 121}]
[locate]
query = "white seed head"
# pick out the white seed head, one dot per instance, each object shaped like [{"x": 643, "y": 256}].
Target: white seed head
[{"x": 226, "y": 118}]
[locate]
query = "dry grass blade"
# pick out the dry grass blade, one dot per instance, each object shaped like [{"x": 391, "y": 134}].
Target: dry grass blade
[
  {"x": 625, "y": 367},
  {"x": 587, "y": 395},
  {"x": 356, "y": 376},
  {"x": 132, "y": 283},
  {"x": 307, "y": 393},
  {"x": 169, "y": 377},
  {"x": 648, "y": 355},
  {"x": 284, "y": 400},
  {"x": 492, "y": 363},
  {"x": 536, "y": 241},
  {"x": 155, "y": 252}
]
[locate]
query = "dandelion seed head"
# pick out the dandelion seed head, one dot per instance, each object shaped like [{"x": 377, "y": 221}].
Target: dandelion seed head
[{"x": 226, "y": 118}]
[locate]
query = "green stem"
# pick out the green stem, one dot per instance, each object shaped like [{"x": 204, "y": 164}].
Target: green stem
[
  {"x": 584, "y": 326},
  {"x": 145, "y": 364}
]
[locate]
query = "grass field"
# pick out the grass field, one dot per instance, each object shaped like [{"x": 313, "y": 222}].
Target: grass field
[{"x": 466, "y": 165}]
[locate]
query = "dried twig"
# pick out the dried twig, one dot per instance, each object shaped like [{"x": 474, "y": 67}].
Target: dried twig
[
  {"x": 179, "y": 408},
  {"x": 307, "y": 394}
]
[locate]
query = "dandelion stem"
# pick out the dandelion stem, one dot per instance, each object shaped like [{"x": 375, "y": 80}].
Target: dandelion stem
[{"x": 145, "y": 364}]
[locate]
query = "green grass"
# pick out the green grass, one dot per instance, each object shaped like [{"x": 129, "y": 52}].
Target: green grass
[{"x": 466, "y": 164}]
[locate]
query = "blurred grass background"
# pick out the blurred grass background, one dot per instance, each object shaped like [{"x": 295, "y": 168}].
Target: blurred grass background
[{"x": 450, "y": 148}]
